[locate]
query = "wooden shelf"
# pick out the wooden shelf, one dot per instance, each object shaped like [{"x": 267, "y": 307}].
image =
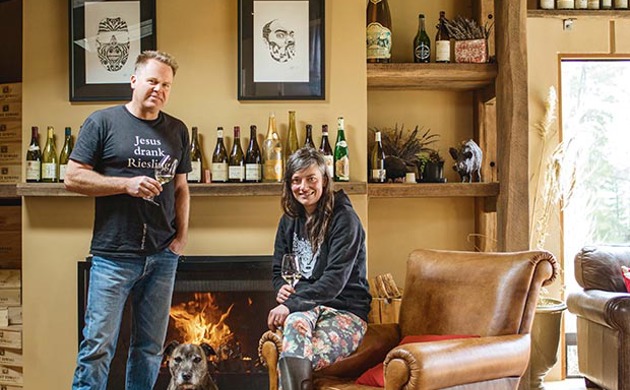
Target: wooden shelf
[
  {"x": 7, "y": 190},
  {"x": 456, "y": 77},
  {"x": 579, "y": 13},
  {"x": 433, "y": 190},
  {"x": 209, "y": 189}
]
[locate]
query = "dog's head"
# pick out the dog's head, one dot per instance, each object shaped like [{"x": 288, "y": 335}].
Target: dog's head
[{"x": 188, "y": 364}]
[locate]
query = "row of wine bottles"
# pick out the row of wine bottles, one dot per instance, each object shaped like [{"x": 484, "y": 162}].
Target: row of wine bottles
[
  {"x": 256, "y": 165},
  {"x": 46, "y": 166},
  {"x": 583, "y": 4},
  {"x": 379, "y": 36}
]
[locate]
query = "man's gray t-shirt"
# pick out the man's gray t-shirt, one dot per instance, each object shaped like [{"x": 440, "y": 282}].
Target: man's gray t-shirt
[{"x": 116, "y": 143}]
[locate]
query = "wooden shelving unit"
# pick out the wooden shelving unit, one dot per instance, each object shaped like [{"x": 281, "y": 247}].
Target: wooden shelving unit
[
  {"x": 432, "y": 190},
  {"x": 432, "y": 76},
  {"x": 8, "y": 190},
  {"x": 579, "y": 13}
]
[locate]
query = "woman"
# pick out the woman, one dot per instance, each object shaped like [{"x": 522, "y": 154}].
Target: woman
[{"x": 325, "y": 317}]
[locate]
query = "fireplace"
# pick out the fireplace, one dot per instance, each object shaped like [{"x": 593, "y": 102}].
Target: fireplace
[{"x": 221, "y": 300}]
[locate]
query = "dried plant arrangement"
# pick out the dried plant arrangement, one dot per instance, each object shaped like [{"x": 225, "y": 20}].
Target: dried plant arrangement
[{"x": 462, "y": 29}]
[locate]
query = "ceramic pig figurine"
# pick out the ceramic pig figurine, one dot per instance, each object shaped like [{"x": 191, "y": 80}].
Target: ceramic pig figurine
[{"x": 467, "y": 160}]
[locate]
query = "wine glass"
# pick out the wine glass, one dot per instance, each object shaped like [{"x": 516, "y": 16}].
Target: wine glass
[
  {"x": 164, "y": 172},
  {"x": 290, "y": 269}
]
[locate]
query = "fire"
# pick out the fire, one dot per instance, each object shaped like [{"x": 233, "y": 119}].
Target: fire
[{"x": 201, "y": 321}]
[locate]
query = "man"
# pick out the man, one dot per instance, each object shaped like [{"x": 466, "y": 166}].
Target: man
[
  {"x": 135, "y": 243},
  {"x": 280, "y": 41}
]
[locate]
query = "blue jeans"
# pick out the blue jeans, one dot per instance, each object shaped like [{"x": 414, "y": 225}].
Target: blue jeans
[{"x": 149, "y": 280}]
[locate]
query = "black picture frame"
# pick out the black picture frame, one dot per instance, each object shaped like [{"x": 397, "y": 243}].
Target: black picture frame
[
  {"x": 104, "y": 75},
  {"x": 281, "y": 74}
]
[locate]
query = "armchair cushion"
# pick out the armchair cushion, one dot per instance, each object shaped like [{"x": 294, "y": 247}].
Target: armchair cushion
[{"x": 375, "y": 377}]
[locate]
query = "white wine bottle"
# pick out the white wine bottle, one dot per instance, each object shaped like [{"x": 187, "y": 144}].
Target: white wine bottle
[
  {"x": 64, "y": 156},
  {"x": 34, "y": 158},
  {"x": 378, "y": 161},
  {"x": 342, "y": 156},
  {"x": 196, "y": 158},
  {"x": 292, "y": 138},
  {"x": 253, "y": 159},
  {"x": 220, "y": 160},
  {"x": 236, "y": 168},
  {"x": 326, "y": 150},
  {"x": 49, "y": 158},
  {"x": 273, "y": 168}
]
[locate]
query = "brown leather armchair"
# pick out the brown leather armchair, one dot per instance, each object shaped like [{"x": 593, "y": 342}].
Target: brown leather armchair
[
  {"x": 603, "y": 316},
  {"x": 492, "y": 295}
]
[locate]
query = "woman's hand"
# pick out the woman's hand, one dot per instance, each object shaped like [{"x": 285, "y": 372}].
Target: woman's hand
[
  {"x": 284, "y": 293},
  {"x": 276, "y": 317}
]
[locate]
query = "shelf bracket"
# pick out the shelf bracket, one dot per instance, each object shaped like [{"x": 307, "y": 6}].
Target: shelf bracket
[{"x": 567, "y": 24}]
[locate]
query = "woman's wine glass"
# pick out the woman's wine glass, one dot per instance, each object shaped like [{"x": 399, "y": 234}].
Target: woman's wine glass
[
  {"x": 164, "y": 172},
  {"x": 290, "y": 269}
]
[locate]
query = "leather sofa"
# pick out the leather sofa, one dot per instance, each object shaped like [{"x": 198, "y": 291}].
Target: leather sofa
[
  {"x": 603, "y": 316},
  {"x": 491, "y": 295}
]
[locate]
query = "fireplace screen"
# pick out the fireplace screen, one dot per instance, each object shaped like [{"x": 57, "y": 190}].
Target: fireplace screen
[{"x": 222, "y": 301}]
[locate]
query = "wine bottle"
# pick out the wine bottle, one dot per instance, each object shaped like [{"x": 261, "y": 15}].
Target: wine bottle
[
  {"x": 253, "y": 160},
  {"x": 308, "y": 140},
  {"x": 34, "y": 158},
  {"x": 220, "y": 160},
  {"x": 49, "y": 158},
  {"x": 342, "y": 158},
  {"x": 621, "y": 4},
  {"x": 292, "y": 141},
  {"x": 442, "y": 41},
  {"x": 196, "y": 158},
  {"x": 236, "y": 169},
  {"x": 606, "y": 4},
  {"x": 326, "y": 150},
  {"x": 273, "y": 168},
  {"x": 378, "y": 161},
  {"x": 421, "y": 44},
  {"x": 64, "y": 156},
  {"x": 378, "y": 31}
]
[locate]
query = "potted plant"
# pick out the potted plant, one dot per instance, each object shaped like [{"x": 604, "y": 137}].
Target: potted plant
[
  {"x": 432, "y": 167},
  {"x": 402, "y": 148}
]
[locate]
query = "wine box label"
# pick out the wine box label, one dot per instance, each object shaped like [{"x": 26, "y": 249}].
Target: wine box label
[
  {"x": 10, "y": 173},
  {"x": 10, "y": 297},
  {"x": 195, "y": 174},
  {"x": 11, "y": 376},
  {"x": 342, "y": 169},
  {"x": 11, "y": 357},
  {"x": 379, "y": 41},
  {"x": 10, "y": 131},
  {"x": 15, "y": 315},
  {"x": 9, "y": 278},
  {"x": 10, "y": 152},
  {"x": 253, "y": 172},
  {"x": 11, "y": 92},
  {"x": 4, "y": 316},
  {"x": 10, "y": 111},
  {"x": 219, "y": 172},
  {"x": 11, "y": 336}
]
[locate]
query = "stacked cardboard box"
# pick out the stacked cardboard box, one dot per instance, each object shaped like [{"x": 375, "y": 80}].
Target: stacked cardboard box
[
  {"x": 11, "y": 364},
  {"x": 10, "y": 132}
]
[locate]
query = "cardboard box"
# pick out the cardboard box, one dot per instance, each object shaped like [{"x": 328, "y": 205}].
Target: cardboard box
[
  {"x": 11, "y": 376},
  {"x": 10, "y": 297},
  {"x": 384, "y": 311},
  {"x": 11, "y": 337},
  {"x": 4, "y": 316},
  {"x": 15, "y": 315},
  {"x": 11, "y": 357},
  {"x": 11, "y": 92},
  {"x": 10, "y": 152},
  {"x": 10, "y": 173},
  {"x": 11, "y": 111},
  {"x": 10, "y": 131},
  {"x": 9, "y": 278}
]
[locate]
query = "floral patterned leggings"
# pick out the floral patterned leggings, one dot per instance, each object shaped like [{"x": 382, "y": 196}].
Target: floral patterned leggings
[{"x": 323, "y": 335}]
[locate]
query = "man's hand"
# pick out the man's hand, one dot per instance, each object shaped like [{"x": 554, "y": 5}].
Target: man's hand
[
  {"x": 177, "y": 246},
  {"x": 276, "y": 317},
  {"x": 284, "y": 293},
  {"x": 143, "y": 187}
]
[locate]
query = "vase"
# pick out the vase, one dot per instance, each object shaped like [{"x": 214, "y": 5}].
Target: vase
[
  {"x": 546, "y": 331},
  {"x": 433, "y": 172}
]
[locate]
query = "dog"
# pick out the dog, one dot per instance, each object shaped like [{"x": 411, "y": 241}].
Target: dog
[{"x": 188, "y": 364}]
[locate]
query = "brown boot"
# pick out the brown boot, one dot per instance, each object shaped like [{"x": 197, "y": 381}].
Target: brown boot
[{"x": 295, "y": 373}]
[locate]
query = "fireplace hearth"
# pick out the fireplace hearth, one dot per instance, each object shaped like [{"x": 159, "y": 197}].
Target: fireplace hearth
[{"x": 221, "y": 300}]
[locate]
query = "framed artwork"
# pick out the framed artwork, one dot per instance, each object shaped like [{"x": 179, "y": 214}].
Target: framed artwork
[
  {"x": 106, "y": 37},
  {"x": 281, "y": 50}
]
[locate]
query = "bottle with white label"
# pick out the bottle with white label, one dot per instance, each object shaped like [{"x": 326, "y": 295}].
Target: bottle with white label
[
  {"x": 342, "y": 156},
  {"x": 220, "y": 160},
  {"x": 253, "y": 159},
  {"x": 49, "y": 159},
  {"x": 34, "y": 158},
  {"x": 377, "y": 161},
  {"x": 196, "y": 158},
  {"x": 236, "y": 168},
  {"x": 64, "y": 156},
  {"x": 326, "y": 150},
  {"x": 606, "y": 4},
  {"x": 442, "y": 41},
  {"x": 565, "y": 4},
  {"x": 592, "y": 4},
  {"x": 621, "y": 4},
  {"x": 581, "y": 4}
]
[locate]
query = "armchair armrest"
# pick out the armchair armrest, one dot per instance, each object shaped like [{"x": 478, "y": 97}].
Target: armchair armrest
[
  {"x": 441, "y": 364},
  {"x": 611, "y": 309}
]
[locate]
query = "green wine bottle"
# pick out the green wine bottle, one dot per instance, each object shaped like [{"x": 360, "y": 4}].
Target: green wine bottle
[
  {"x": 342, "y": 158},
  {"x": 219, "y": 160},
  {"x": 34, "y": 158},
  {"x": 64, "y": 156},
  {"x": 196, "y": 158},
  {"x": 253, "y": 158},
  {"x": 49, "y": 158},
  {"x": 236, "y": 169},
  {"x": 422, "y": 43},
  {"x": 308, "y": 140},
  {"x": 292, "y": 138}
]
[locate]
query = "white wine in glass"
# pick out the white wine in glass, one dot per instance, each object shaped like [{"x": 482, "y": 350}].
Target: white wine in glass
[
  {"x": 290, "y": 269},
  {"x": 164, "y": 173}
]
